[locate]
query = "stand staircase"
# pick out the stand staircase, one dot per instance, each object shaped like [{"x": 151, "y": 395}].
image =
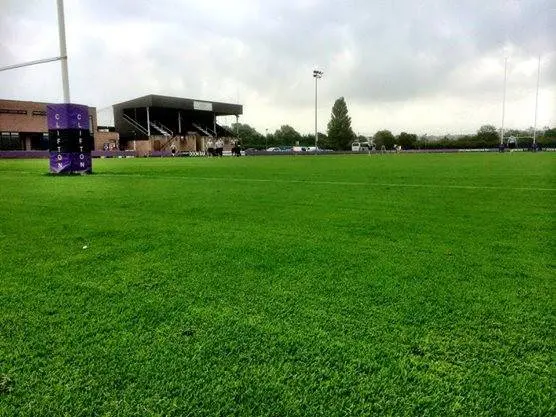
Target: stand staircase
[
  {"x": 159, "y": 127},
  {"x": 136, "y": 125}
]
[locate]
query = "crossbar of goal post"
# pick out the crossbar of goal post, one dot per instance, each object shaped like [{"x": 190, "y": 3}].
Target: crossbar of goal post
[
  {"x": 63, "y": 53},
  {"x": 36, "y": 62}
]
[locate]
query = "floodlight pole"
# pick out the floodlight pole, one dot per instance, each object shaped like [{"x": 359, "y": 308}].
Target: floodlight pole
[
  {"x": 504, "y": 98},
  {"x": 537, "y": 102},
  {"x": 316, "y": 74},
  {"x": 63, "y": 51}
]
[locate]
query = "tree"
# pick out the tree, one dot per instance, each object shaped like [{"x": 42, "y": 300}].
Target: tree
[
  {"x": 548, "y": 137},
  {"x": 286, "y": 136},
  {"x": 248, "y": 136},
  {"x": 308, "y": 139},
  {"x": 384, "y": 138},
  {"x": 322, "y": 143},
  {"x": 270, "y": 140},
  {"x": 487, "y": 137},
  {"x": 407, "y": 140},
  {"x": 340, "y": 134}
]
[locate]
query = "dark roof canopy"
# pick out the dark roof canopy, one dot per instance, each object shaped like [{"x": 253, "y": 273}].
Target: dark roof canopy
[{"x": 220, "y": 109}]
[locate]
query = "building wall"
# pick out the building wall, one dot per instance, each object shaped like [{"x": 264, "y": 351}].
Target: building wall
[
  {"x": 141, "y": 147},
  {"x": 146, "y": 147},
  {"x": 112, "y": 139},
  {"x": 188, "y": 143},
  {"x": 33, "y": 118},
  {"x": 28, "y": 118}
]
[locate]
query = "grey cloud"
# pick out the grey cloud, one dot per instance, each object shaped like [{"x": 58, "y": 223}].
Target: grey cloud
[
  {"x": 402, "y": 49},
  {"x": 371, "y": 51}
]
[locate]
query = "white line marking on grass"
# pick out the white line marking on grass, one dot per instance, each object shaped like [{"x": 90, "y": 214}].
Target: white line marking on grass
[
  {"x": 14, "y": 174},
  {"x": 351, "y": 183}
]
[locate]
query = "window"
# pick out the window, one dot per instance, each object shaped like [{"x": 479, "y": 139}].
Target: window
[
  {"x": 13, "y": 111},
  {"x": 9, "y": 141}
]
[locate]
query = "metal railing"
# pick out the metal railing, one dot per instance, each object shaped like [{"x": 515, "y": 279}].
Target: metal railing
[
  {"x": 205, "y": 131},
  {"x": 162, "y": 129},
  {"x": 134, "y": 123}
]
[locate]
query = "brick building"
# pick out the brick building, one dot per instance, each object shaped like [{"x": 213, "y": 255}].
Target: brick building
[
  {"x": 146, "y": 125},
  {"x": 23, "y": 127}
]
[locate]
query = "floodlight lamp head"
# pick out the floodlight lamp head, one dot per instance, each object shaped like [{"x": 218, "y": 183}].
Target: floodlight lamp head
[{"x": 317, "y": 73}]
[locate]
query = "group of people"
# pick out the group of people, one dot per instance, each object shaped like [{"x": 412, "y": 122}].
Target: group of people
[{"x": 215, "y": 147}]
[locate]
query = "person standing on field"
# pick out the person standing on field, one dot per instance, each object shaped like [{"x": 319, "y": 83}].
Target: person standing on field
[
  {"x": 219, "y": 147},
  {"x": 236, "y": 150},
  {"x": 210, "y": 147}
]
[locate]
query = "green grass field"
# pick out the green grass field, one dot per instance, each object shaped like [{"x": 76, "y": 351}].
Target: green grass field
[{"x": 280, "y": 286}]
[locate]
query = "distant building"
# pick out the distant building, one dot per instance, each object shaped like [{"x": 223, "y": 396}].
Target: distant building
[
  {"x": 154, "y": 123},
  {"x": 145, "y": 125},
  {"x": 23, "y": 125}
]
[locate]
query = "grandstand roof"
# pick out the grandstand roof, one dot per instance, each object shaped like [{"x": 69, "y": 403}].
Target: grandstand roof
[{"x": 152, "y": 100}]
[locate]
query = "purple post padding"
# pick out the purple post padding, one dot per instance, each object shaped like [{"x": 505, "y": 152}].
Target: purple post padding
[
  {"x": 60, "y": 163},
  {"x": 81, "y": 163},
  {"x": 24, "y": 154},
  {"x": 67, "y": 116}
]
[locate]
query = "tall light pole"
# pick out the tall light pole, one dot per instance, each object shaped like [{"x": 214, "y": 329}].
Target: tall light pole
[
  {"x": 504, "y": 98},
  {"x": 316, "y": 74},
  {"x": 537, "y": 103}
]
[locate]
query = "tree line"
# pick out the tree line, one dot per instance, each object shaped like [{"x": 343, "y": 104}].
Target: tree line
[{"x": 339, "y": 136}]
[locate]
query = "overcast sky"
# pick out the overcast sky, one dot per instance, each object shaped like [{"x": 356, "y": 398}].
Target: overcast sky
[{"x": 430, "y": 66}]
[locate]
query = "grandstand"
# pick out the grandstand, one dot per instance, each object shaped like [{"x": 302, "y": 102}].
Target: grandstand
[{"x": 153, "y": 123}]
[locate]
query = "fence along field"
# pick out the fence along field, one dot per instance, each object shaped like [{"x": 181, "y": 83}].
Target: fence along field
[{"x": 326, "y": 285}]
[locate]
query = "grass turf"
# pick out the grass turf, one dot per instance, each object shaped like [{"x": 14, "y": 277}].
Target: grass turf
[{"x": 328, "y": 285}]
